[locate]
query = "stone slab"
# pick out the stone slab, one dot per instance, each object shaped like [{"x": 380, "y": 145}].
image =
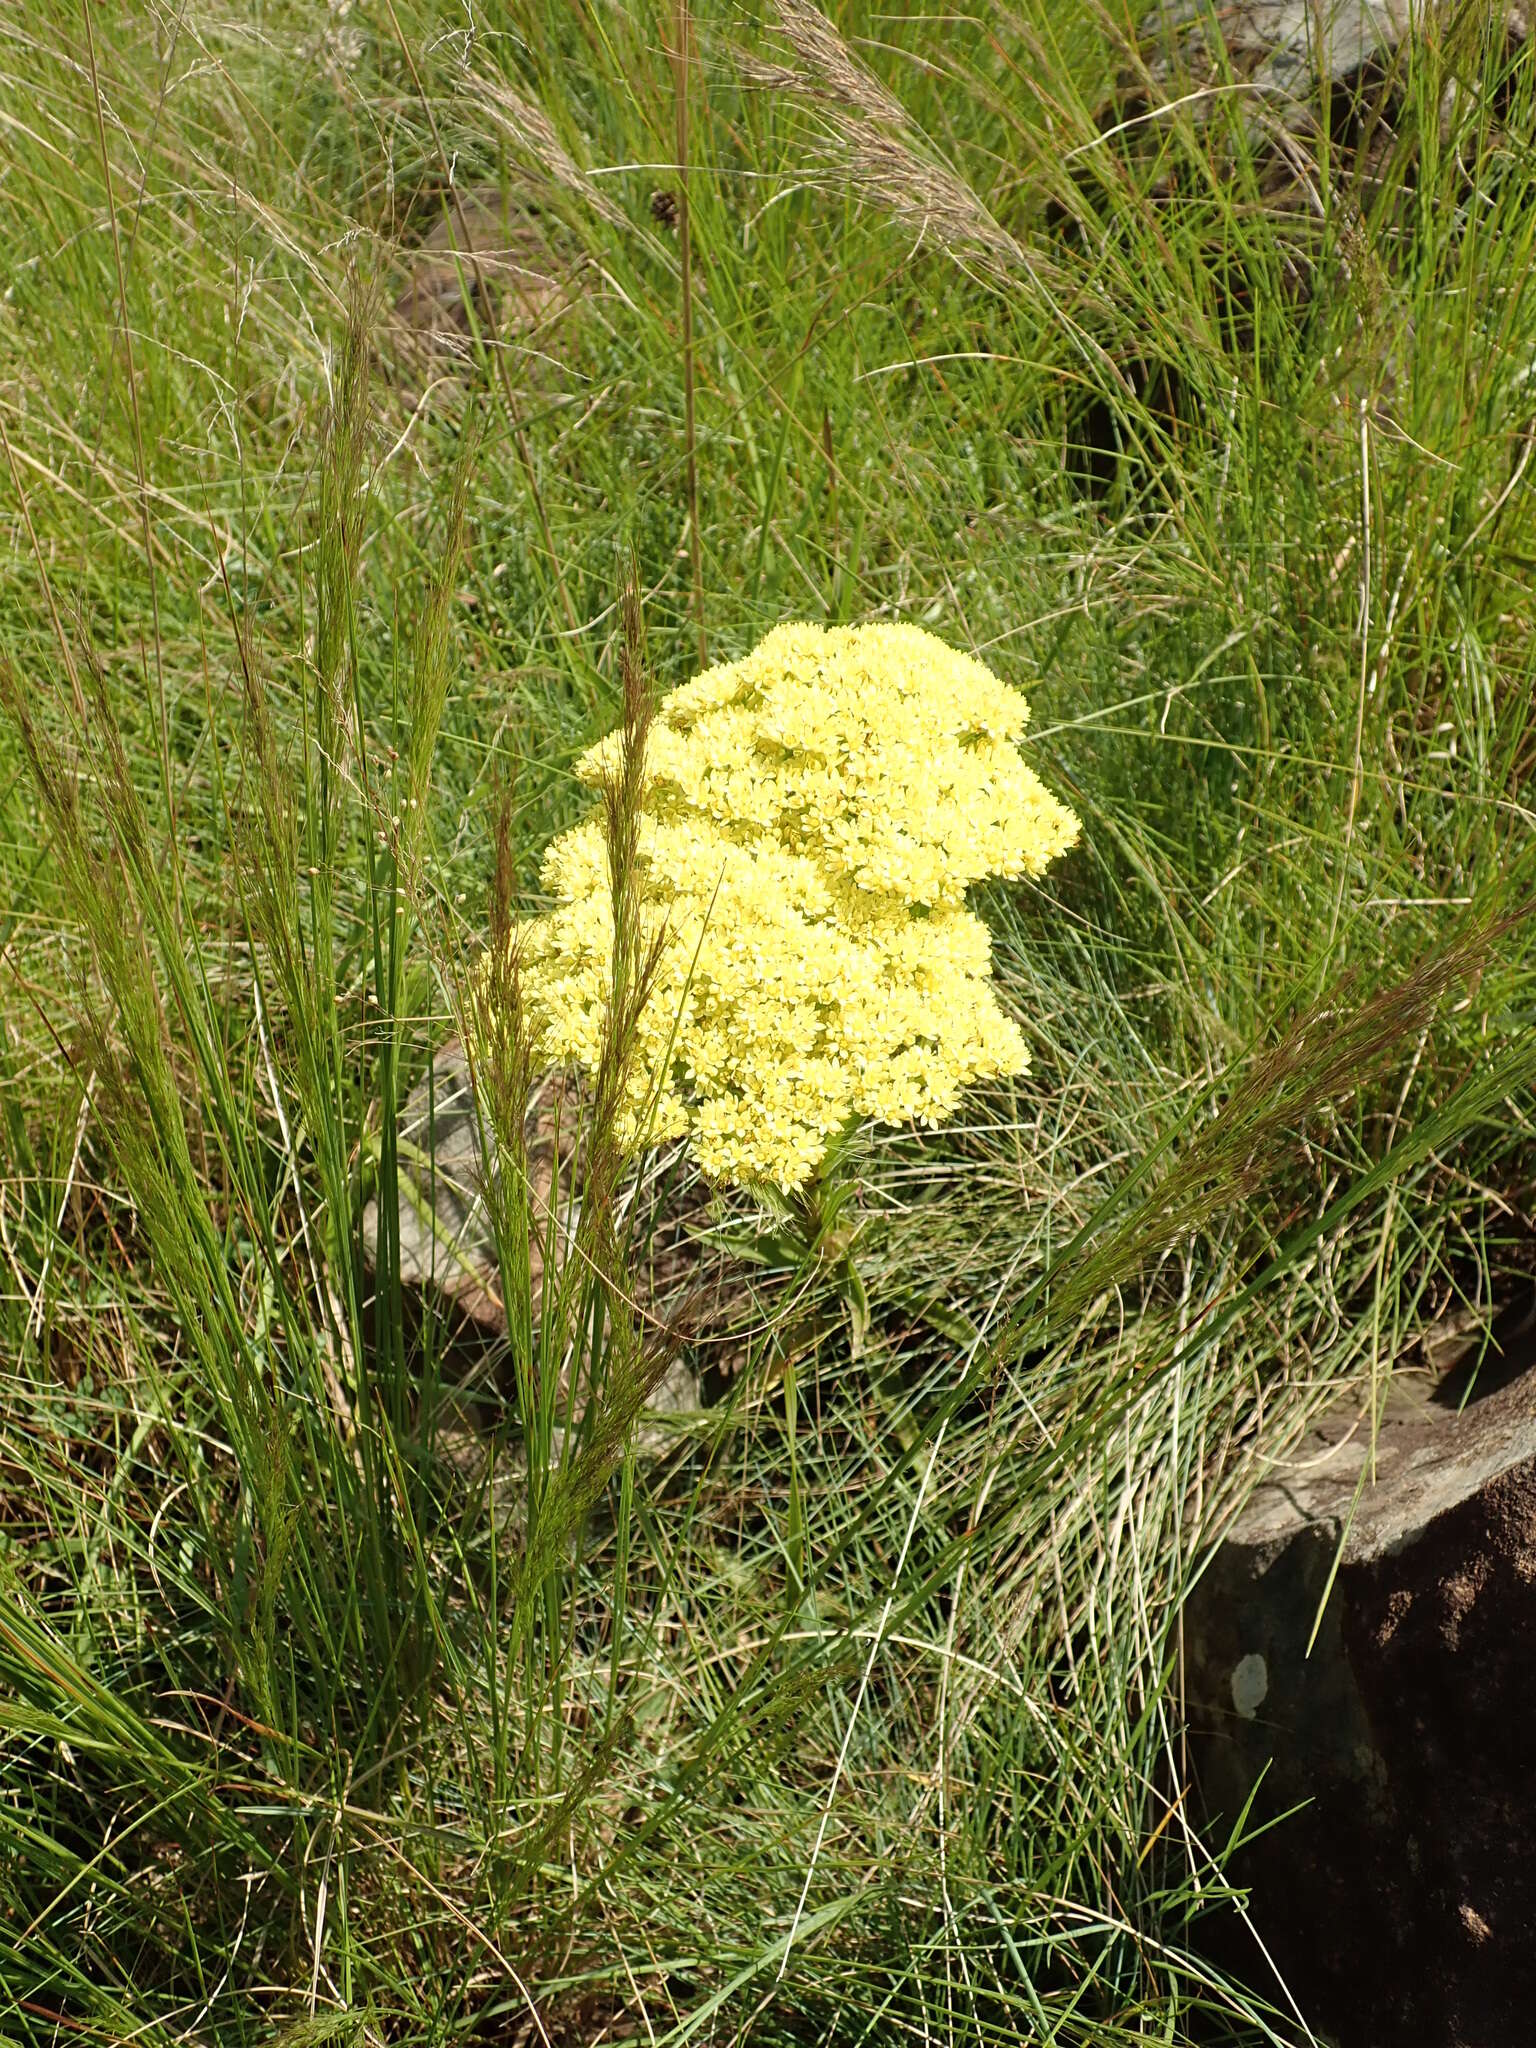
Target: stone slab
[{"x": 1366, "y": 1646}]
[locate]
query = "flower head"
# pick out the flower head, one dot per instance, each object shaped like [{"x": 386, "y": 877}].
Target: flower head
[{"x": 812, "y": 818}]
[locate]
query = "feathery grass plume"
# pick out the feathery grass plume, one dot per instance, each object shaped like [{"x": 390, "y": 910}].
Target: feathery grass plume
[
  {"x": 524, "y": 123},
  {"x": 872, "y": 139},
  {"x": 1327, "y": 1052},
  {"x": 829, "y": 67},
  {"x": 812, "y": 818}
]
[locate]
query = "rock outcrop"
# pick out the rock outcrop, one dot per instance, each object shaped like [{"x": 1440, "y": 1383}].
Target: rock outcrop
[{"x": 1365, "y": 1644}]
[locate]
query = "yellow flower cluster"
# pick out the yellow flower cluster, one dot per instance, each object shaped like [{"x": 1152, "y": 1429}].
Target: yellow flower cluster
[{"x": 812, "y": 818}]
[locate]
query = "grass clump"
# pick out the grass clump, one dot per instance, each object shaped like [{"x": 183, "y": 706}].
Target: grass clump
[{"x": 854, "y": 1713}]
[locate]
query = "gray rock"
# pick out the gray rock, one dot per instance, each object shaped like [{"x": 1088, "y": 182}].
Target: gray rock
[
  {"x": 447, "y": 1249},
  {"x": 445, "y": 1242},
  {"x": 500, "y": 251},
  {"x": 1366, "y": 1645},
  {"x": 1288, "y": 46},
  {"x": 1428, "y": 1460},
  {"x": 1282, "y": 53}
]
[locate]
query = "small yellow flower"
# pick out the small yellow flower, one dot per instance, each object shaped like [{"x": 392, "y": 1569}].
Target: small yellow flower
[{"x": 813, "y": 816}]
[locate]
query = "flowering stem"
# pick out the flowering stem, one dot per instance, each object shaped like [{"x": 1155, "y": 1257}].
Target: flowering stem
[{"x": 812, "y": 1212}]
